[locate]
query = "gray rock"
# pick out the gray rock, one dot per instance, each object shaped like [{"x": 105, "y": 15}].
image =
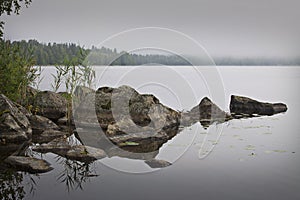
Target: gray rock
[
  {"x": 77, "y": 152},
  {"x": 39, "y": 124},
  {"x": 7, "y": 150},
  {"x": 85, "y": 153},
  {"x": 206, "y": 112},
  {"x": 128, "y": 105},
  {"x": 58, "y": 146},
  {"x": 62, "y": 121},
  {"x": 50, "y": 105},
  {"x": 24, "y": 111},
  {"x": 244, "y": 105},
  {"x": 28, "y": 164},
  {"x": 48, "y": 135},
  {"x": 154, "y": 163},
  {"x": 14, "y": 125}
]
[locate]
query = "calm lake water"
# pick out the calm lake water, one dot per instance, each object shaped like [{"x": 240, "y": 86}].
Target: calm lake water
[{"x": 255, "y": 158}]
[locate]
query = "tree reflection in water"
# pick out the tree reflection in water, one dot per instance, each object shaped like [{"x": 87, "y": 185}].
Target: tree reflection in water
[
  {"x": 14, "y": 184},
  {"x": 75, "y": 173}
]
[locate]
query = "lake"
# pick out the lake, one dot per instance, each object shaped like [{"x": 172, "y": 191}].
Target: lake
[{"x": 254, "y": 158}]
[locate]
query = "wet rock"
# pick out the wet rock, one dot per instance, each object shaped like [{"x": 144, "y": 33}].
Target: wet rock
[
  {"x": 39, "y": 124},
  {"x": 206, "y": 112},
  {"x": 58, "y": 146},
  {"x": 116, "y": 151},
  {"x": 48, "y": 135},
  {"x": 142, "y": 142},
  {"x": 14, "y": 125},
  {"x": 81, "y": 92},
  {"x": 124, "y": 104},
  {"x": 154, "y": 163},
  {"x": 245, "y": 105},
  {"x": 28, "y": 164},
  {"x": 50, "y": 105},
  {"x": 85, "y": 153},
  {"x": 7, "y": 150},
  {"x": 77, "y": 152},
  {"x": 62, "y": 121}
]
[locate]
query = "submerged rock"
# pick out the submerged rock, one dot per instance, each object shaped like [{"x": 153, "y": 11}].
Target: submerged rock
[
  {"x": 84, "y": 153},
  {"x": 76, "y": 152},
  {"x": 245, "y": 105},
  {"x": 28, "y": 164},
  {"x": 14, "y": 125},
  {"x": 154, "y": 163}
]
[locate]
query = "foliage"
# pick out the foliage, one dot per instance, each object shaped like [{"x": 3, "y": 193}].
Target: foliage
[
  {"x": 75, "y": 174},
  {"x": 14, "y": 184},
  {"x": 52, "y": 53},
  {"x": 72, "y": 73},
  {"x": 9, "y": 6},
  {"x": 57, "y": 54},
  {"x": 16, "y": 71}
]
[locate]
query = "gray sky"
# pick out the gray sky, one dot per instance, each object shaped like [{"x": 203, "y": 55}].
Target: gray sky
[{"x": 224, "y": 27}]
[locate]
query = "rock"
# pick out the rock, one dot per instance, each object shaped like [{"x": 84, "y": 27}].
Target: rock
[
  {"x": 58, "y": 146},
  {"x": 154, "y": 163},
  {"x": 124, "y": 104},
  {"x": 81, "y": 92},
  {"x": 115, "y": 151},
  {"x": 145, "y": 142},
  {"x": 85, "y": 153},
  {"x": 39, "y": 124},
  {"x": 206, "y": 112},
  {"x": 48, "y": 135},
  {"x": 7, "y": 150},
  {"x": 77, "y": 152},
  {"x": 30, "y": 97},
  {"x": 14, "y": 125},
  {"x": 62, "y": 121},
  {"x": 24, "y": 111},
  {"x": 50, "y": 105},
  {"x": 245, "y": 105},
  {"x": 28, "y": 164}
]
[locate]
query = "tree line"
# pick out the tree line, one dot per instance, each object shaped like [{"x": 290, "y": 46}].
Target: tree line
[{"x": 57, "y": 54}]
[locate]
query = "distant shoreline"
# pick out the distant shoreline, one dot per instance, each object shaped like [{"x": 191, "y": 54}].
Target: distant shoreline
[{"x": 58, "y": 54}]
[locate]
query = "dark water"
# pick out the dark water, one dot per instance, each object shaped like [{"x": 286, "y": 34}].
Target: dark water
[{"x": 257, "y": 158}]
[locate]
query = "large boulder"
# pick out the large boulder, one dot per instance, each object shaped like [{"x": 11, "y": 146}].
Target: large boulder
[
  {"x": 50, "y": 105},
  {"x": 245, "y": 105},
  {"x": 126, "y": 118},
  {"x": 126, "y": 107},
  {"x": 14, "y": 125}
]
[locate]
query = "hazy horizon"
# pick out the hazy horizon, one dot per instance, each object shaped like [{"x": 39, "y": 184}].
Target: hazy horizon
[{"x": 228, "y": 28}]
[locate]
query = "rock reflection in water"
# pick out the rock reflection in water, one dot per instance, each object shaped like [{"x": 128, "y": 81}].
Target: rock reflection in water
[{"x": 109, "y": 122}]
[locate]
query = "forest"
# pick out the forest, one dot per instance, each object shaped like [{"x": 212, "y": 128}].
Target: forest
[{"x": 58, "y": 54}]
